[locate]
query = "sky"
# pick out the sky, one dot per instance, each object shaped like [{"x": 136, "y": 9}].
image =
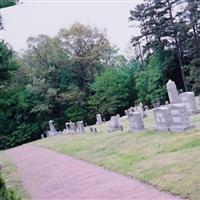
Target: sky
[{"x": 34, "y": 17}]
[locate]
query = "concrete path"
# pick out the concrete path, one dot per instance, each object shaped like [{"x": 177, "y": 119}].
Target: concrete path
[{"x": 48, "y": 175}]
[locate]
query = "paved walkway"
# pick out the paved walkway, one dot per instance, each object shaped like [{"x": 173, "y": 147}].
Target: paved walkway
[{"x": 48, "y": 175}]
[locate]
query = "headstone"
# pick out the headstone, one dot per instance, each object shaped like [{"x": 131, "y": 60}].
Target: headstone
[
  {"x": 91, "y": 129},
  {"x": 42, "y": 136},
  {"x": 146, "y": 108},
  {"x": 72, "y": 127},
  {"x": 114, "y": 124},
  {"x": 66, "y": 130},
  {"x": 52, "y": 130},
  {"x": 179, "y": 118},
  {"x": 98, "y": 118},
  {"x": 80, "y": 127},
  {"x": 161, "y": 116},
  {"x": 126, "y": 112},
  {"x": 95, "y": 130},
  {"x": 124, "y": 118},
  {"x": 136, "y": 121},
  {"x": 173, "y": 117},
  {"x": 188, "y": 99},
  {"x": 172, "y": 92},
  {"x": 131, "y": 109},
  {"x": 141, "y": 110},
  {"x": 158, "y": 103}
]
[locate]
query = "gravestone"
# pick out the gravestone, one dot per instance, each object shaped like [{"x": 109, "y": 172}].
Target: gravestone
[
  {"x": 172, "y": 92},
  {"x": 188, "y": 99},
  {"x": 126, "y": 112},
  {"x": 98, "y": 118},
  {"x": 95, "y": 130},
  {"x": 141, "y": 110},
  {"x": 136, "y": 121},
  {"x": 42, "y": 136},
  {"x": 173, "y": 117},
  {"x": 91, "y": 129},
  {"x": 52, "y": 130},
  {"x": 66, "y": 130},
  {"x": 162, "y": 118},
  {"x": 72, "y": 127},
  {"x": 80, "y": 127},
  {"x": 179, "y": 118},
  {"x": 114, "y": 124}
]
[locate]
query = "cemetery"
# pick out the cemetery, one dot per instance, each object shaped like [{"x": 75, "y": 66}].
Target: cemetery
[
  {"x": 100, "y": 100},
  {"x": 152, "y": 145}
]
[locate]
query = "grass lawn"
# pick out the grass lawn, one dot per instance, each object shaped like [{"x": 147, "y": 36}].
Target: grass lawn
[
  {"x": 169, "y": 161},
  {"x": 11, "y": 177}
]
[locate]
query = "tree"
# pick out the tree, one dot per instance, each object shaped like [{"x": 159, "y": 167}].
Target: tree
[
  {"x": 7, "y": 3},
  {"x": 112, "y": 91},
  {"x": 88, "y": 50},
  {"x": 160, "y": 29},
  {"x": 150, "y": 82},
  {"x": 61, "y": 69}
]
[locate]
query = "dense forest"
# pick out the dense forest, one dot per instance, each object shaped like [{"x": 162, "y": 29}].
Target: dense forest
[{"x": 78, "y": 73}]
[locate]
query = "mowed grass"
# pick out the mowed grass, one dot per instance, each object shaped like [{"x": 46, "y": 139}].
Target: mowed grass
[
  {"x": 168, "y": 161},
  {"x": 11, "y": 176}
]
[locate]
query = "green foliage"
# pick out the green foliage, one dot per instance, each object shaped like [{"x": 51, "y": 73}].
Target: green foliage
[
  {"x": 111, "y": 91},
  {"x": 150, "y": 82},
  {"x": 7, "y": 3},
  {"x": 7, "y": 63},
  {"x": 6, "y": 194}
]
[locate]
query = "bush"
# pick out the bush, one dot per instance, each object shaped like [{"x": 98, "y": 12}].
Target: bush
[{"x": 6, "y": 194}]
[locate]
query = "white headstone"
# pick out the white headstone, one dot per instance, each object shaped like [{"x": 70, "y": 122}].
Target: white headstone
[{"x": 98, "y": 118}]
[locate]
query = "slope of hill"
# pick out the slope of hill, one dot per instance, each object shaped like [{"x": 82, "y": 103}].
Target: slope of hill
[{"x": 168, "y": 161}]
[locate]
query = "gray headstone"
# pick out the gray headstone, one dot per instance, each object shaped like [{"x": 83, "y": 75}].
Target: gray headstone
[
  {"x": 80, "y": 127},
  {"x": 172, "y": 92},
  {"x": 72, "y": 127},
  {"x": 188, "y": 99},
  {"x": 136, "y": 121},
  {"x": 179, "y": 118},
  {"x": 162, "y": 118},
  {"x": 126, "y": 112},
  {"x": 52, "y": 130},
  {"x": 114, "y": 124},
  {"x": 173, "y": 117}
]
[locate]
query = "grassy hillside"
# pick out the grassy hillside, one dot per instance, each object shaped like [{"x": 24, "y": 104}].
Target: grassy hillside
[
  {"x": 11, "y": 177},
  {"x": 169, "y": 161}
]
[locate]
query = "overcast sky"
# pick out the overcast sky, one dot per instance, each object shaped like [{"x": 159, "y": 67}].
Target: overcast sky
[{"x": 47, "y": 17}]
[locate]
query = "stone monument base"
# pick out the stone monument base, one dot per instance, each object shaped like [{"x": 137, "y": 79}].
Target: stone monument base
[
  {"x": 115, "y": 129},
  {"x": 159, "y": 128},
  {"x": 181, "y": 128},
  {"x": 49, "y": 133}
]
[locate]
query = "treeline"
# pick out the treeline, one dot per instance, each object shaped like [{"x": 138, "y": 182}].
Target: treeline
[
  {"x": 69, "y": 77},
  {"x": 170, "y": 30},
  {"x": 78, "y": 73}
]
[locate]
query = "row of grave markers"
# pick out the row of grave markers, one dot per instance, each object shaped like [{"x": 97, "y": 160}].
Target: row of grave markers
[{"x": 172, "y": 117}]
